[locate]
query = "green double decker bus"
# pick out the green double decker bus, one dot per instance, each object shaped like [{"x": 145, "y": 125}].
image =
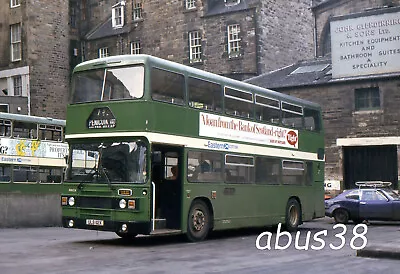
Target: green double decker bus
[{"x": 157, "y": 147}]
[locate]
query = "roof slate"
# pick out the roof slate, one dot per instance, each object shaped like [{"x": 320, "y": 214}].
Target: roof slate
[
  {"x": 285, "y": 78},
  {"x": 219, "y": 7},
  {"x": 105, "y": 29}
]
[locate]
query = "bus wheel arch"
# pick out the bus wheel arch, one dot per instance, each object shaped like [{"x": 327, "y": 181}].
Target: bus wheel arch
[
  {"x": 293, "y": 214},
  {"x": 200, "y": 219}
]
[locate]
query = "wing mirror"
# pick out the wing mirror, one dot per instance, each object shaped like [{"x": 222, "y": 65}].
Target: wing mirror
[{"x": 156, "y": 157}]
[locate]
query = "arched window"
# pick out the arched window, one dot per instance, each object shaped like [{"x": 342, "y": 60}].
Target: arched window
[{"x": 325, "y": 46}]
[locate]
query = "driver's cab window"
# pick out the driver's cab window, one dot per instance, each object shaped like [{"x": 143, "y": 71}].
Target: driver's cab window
[{"x": 171, "y": 166}]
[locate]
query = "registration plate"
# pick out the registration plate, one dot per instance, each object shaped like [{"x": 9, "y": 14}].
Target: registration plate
[{"x": 94, "y": 222}]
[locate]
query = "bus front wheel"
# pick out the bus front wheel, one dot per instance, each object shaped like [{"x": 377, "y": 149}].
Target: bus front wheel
[
  {"x": 198, "y": 224},
  {"x": 293, "y": 215}
]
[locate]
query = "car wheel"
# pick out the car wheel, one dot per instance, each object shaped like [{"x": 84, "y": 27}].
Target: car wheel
[
  {"x": 198, "y": 223},
  {"x": 341, "y": 216},
  {"x": 357, "y": 221},
  {"x": 293, "y": 215}
]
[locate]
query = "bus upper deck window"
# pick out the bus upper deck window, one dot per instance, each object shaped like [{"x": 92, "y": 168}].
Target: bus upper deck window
[
  {"x": 311, "y": 119},
  {"x": 167, "y": 86},
  {"x": 5, "y": 127}
]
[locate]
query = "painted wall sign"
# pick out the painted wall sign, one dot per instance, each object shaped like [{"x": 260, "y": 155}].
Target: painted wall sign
[
  {"x": 366, "y": 45},
  {"x": 216, "y": 126}
]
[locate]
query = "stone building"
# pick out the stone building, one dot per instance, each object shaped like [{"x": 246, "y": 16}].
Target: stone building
[
  {"x": 356, "y": 79},
  {"x": 34, "y": 57},
  {"x": 41, "y": 41},
  {"x": 236, "y": 38}
]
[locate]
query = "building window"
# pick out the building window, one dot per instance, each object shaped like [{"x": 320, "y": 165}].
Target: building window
[
  {"x": 15, "y": 3},
  {"x": 103, "y": 52},
  {"x": 190, "y": 4},
  {"x": 135, "y": 48},
  {"x": 367, "y": 98},
  {"x": 233, "y": 40},
  {"x": 118, "y": 15},
  {"x": 195, "y": 46},
  {"x": 72, "y": 16},
  {"x": 3, "y": 108},
  {"x": 229, "y": 3},
  {"x": 17, "y": 82},
  {"x": 15, "y": 42},
  {"x": 83, "y": 10},
  {"x": 137, "y": 10}
]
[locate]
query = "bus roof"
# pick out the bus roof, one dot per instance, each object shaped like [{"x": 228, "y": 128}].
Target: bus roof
[
  {"x": 32, "y": 119},
  {"x": 123, "y": 60}
]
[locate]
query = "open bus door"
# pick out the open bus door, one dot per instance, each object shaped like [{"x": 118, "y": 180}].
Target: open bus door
[{"x": 167, "y": 180}]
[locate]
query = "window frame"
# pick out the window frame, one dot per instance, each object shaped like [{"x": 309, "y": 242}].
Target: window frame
[
  {"x": 233, "y": 33},
  {"x": 118, "y": 14},
  {"x": 230, "y": 3},
  {"x": 137, "y": 10},
  {"x": 103, "y": 52},
  {"x": 17, "y": 89},
  {"x": 16, "y": 41},
  {"x": 15, "y": 3},
  {"x": 369, "y": 94},
  {"x": 195, "y": 49},
  {"x": 190, "y": 4},
  {"x": 136, "y": 47}
]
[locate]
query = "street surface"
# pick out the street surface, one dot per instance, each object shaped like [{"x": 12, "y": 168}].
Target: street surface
[{"x": 60, "y": 250}]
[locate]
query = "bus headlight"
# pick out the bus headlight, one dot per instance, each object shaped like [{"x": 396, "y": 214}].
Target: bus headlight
[
  {"x": 122, "y": 203},
  {"x": 71, "y": 223},
  {"x": 71, "y": 201}
]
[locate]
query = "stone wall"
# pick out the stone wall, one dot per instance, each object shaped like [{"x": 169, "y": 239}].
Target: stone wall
[
  {"x": 342, "y": 121},
  {"x": 48, "y": 56},
  {"x": 272, "y": 34},
  {"x": 285, "y": 30},
  {"x": 29, "y": 210}
]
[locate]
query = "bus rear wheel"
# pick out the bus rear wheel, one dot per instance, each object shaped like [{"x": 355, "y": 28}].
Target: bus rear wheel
[
  {"x": 198, "y": 224},
  {"x": 293, "y": 215}
]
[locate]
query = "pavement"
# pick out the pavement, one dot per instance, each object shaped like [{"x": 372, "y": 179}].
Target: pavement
[
  {"x": 387, "y": 250},
  {"x": 384, "y": 251}
]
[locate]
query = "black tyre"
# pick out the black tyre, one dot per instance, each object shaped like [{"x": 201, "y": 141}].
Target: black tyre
[
  {"x": 126, "y": 236},
  {"x": 357, "y": 221},
  {"x": 293, "y": 215},
  {"x": 341, "y": 216},
  {"x": 198, "y": 223}
]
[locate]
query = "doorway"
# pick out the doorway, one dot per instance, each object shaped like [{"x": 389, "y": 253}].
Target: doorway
[
  {"x": 370, "y": 163},
  {"x": 167, "y": 175}
]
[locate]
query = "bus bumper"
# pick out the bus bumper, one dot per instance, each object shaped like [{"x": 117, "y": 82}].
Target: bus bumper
[{"x": 105, "y": 225}]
